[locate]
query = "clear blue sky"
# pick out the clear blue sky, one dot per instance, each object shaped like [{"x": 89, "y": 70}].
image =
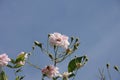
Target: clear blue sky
[{"x": 95, "y": 22}]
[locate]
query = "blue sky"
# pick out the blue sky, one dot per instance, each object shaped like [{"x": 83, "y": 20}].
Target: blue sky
[{"x": 95, "y": 22}]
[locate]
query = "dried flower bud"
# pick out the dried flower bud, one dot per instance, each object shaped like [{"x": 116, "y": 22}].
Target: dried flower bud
[{"x": 68, "y": 51}]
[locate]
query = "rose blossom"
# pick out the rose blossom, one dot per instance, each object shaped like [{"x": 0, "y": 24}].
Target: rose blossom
[
  {"x": 4, "y": 60},
  {"x": 50, "y": 71},
  {"x": 57, "y": 39}
]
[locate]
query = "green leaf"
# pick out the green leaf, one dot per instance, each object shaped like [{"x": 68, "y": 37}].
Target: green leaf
[
  {"x": 12, "y": 61},
  {"x": 17, "y": 78},
  {"x": 22, "y": 77},
  {"x": 76, "y": 63},
  {"x": 9, "y": 66},
  {"x": 17, "y": 66},
  {"x": 21, "y": 57},
  {"x": 54, "y": 78},
  {"x": 3, "y": 76},
  {"x": 18, "y": 70}
]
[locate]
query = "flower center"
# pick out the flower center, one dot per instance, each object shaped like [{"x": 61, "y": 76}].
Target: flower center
[{"x": 58, "y": 39}]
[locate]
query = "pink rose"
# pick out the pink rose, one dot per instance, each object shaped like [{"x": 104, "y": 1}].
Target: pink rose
[
  {"x": 56, "y": 39},
  {"x": 4, "y": 60},
  {"x": 50, "y": 71}
]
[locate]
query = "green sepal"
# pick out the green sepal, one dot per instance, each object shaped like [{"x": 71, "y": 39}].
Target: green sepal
[
  {"x": 17, "y": 66},
  {"x": 12, "y": 61},
  {"x": 10, "y": 66}
]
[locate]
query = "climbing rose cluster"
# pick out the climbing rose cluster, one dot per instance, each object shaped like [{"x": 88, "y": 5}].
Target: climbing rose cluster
[
  {"x": 4, "y": 60},
  {"x": 57, "y": 39},
  {"x": 50, "y": 71}
]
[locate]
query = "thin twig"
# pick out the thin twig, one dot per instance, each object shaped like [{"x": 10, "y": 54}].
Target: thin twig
[
  {"x": 109, "y": 74},
  {"x": 34, "y": 65}
]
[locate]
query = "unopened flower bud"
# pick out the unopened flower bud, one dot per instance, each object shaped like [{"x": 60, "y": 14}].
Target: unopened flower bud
[
  {"x": 48, "y": 35},
  {"x": 86, "y": 59},
  {"x": 51, "y": 56},
  {"x": 116, "y": 68},
  {"x": 77, "y": 44},
  {"x": 38, "y": 44},
  {"x": 72, "y": 38},
  {"x": 107, "y": 65},
  {"x": 75, "y": 48},
  {"x": 33, "y": 47},
  {"x": 85, "y": 56},
  {"x": 77, "y": 39}
]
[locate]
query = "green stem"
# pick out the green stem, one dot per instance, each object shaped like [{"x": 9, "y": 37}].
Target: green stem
[
  {"x": 109, "y": 74},
  {"x": 102, "y": 76},
  {"x": 1, "y": 69},
  {"x": 34, "y": 65},
  {"x": 75, "y": 74},
  {"x": 55, "y": 51}
]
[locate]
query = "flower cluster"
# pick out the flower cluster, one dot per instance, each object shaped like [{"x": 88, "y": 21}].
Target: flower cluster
[{"x": 62, "y": 49}]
